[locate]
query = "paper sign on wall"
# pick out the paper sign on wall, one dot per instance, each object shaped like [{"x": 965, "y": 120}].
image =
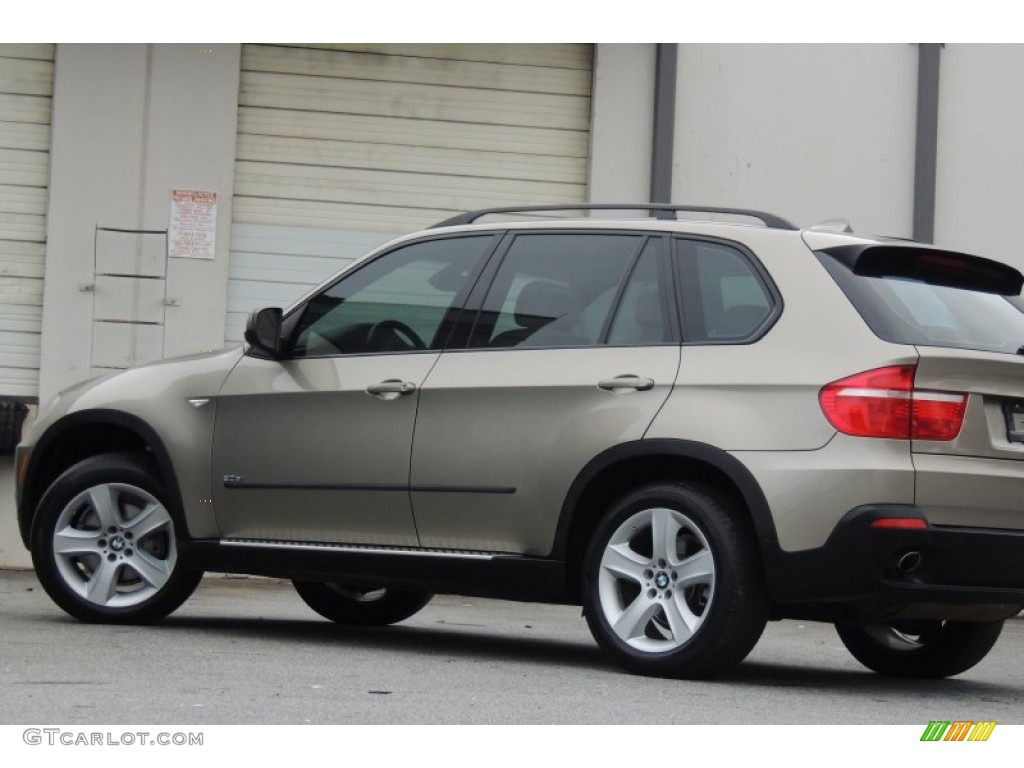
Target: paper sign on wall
[{"x": 193, "y": 230}]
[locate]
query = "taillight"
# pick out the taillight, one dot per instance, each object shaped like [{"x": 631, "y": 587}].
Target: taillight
[
  {"x": 884, "y": 403},
  {"x": 937, "y": 415},
  {"x": 871, "y": 404}
]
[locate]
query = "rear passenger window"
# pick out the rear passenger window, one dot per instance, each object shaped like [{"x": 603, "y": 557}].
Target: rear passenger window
[
  {"x": 641, "y": 317},
  {"x": 555, "y": 290},
  {"x": 724, "y": 297}
]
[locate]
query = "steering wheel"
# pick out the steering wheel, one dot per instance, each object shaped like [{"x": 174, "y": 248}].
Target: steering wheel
[{"x": 383, "y": 337}]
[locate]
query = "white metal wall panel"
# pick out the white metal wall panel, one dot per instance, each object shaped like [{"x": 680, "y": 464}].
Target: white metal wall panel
[
  {"x": 274, "y": 266},
  {"x": 328, "y": 133},
  {"x": 775, "y": 127},
  {"x": 980, "y": 153},
  {"x": 363, "y": 142},
  {"x": 26, "y": 87}
]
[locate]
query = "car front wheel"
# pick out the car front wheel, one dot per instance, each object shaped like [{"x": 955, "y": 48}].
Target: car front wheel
[
  {"x": 360, "y": 606},
  {"x": 105, "y": 544},
  {"x": 920, "y": 649},
  {"x": 672, "y": 582}
]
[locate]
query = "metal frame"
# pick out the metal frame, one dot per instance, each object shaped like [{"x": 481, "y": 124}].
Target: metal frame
[
  {"x": 91, "y": 288},
  {"x": 664, "y": 120},
  {"x": 926, "y": 141},
  {"x": 769, "y": 220}
]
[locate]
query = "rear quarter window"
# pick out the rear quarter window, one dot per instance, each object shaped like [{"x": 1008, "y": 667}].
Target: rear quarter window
[{"x": 724, "y": 297}]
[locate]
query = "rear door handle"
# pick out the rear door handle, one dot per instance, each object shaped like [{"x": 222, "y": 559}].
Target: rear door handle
[
  {"x": 626, "y": 381},
  {"x": 389, "y": 389}
]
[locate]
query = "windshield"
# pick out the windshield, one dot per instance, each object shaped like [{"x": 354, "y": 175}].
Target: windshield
[{"x": 915, "y": 312}]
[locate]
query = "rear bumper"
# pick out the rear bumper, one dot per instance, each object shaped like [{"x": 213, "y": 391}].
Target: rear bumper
[{"x": 893, "y": 569}]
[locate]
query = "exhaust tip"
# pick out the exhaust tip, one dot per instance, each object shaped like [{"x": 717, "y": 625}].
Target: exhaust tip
[{"x": 908, "y": 562}]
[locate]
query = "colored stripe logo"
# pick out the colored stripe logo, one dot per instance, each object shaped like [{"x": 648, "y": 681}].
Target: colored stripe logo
[{"x": 958, "y": 730}]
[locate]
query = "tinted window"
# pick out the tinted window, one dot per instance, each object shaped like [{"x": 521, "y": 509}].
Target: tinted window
[
  {"x": 914, "y": 312},
  {"x": 555, "y": 290},
  {"x": 396, "y": 303},
  {"x": 641, "y": 317},
  {"x": 724, "y": 298}
]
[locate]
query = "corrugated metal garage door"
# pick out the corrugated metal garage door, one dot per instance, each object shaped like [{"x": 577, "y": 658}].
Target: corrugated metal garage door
[
  {"x": 26, "y": 87},
  {"x": 361, "y": 142}
]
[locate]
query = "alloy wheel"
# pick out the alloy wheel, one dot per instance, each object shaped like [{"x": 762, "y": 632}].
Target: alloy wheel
[
  {"x": 656, "y": 580},
  {"x": 114, "y": 546}
]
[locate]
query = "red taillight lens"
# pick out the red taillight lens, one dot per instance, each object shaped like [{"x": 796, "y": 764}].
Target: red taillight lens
[
  {"x": 884, "y": 403},
  {"x": 871, "y": 404},
  {"x": 937, "y": 415}
]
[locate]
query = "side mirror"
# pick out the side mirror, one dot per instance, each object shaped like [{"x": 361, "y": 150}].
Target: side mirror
[{"x": 263, "y": 331}]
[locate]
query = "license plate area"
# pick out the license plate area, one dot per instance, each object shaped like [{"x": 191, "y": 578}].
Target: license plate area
[{"x": 1013, "y": 411}]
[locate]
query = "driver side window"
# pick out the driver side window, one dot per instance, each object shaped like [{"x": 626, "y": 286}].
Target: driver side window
[{"x": 396, "y": 303}]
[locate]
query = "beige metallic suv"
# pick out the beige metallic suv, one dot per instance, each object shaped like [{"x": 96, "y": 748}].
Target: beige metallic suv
[{"x": 687, "y": 427}]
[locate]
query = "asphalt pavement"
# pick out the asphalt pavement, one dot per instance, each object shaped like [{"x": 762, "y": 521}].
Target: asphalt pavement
[{"x": 249, "y": 651}]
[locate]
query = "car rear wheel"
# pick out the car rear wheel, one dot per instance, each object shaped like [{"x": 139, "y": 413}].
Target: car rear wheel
[
  {"x": 105, "y": 544},
  {"x": 360, "y": 606},
  {"x": 920, "y": 649},
  {"x": 672, "y": 582}
]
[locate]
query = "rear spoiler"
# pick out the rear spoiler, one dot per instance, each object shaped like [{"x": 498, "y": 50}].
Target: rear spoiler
[{"x": 929, "y": 265}]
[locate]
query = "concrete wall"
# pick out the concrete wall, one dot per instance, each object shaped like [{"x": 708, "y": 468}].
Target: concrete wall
[
  {"x": 809, "y": 132},
  {"x": 131, "y": 123},
  {"x": 12, "y": 553},
  {"x": 980, "y": 150},
  {"x": 622, "y": 103}
]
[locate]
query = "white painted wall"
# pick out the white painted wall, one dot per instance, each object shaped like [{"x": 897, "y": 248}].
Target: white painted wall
[
  {"x": 12, "y": 552},
  {"x": 809, "y": 132},
  {"x": 26, "y": 89},
  {"x": 980, "y": 178},
  {"x": 131, "y": 123},
  {"x": 274, "y": 266},
  {"x": 622, "y": 123}
]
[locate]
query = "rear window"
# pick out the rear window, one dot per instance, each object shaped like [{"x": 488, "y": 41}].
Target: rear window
[{"x": 907, "y": 311}]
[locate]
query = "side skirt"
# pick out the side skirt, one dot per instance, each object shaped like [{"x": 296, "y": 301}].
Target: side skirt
[{"x": 478, "y": 574}]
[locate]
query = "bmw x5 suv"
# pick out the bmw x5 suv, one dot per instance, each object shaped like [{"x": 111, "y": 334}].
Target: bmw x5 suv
[{"x": 687, "y": 427}]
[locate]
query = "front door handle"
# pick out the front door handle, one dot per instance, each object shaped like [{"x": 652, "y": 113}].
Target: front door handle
[
  {"x": 625, "y": 382},
  {"x": 390, "y": 389}
]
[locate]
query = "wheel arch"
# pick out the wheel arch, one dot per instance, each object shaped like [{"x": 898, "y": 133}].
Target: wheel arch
[
  {"x": 615, "y": 471},
  {"x": 81, "y": 435}
]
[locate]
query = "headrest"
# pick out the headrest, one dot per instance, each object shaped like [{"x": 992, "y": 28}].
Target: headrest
[
  {"x": 648, "y": 308},
  {"x": 539, "y": 303}
]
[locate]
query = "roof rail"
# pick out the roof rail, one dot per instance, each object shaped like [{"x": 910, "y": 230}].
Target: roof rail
[{"x": 769, "y": 220}]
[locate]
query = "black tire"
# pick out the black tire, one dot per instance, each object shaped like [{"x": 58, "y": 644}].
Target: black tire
[
  {"x": 631, "y": 595},
  {"x": 105, "y": 543},
  {"x": 360, "y": 606},
  {"x": 920, "y": 649}
]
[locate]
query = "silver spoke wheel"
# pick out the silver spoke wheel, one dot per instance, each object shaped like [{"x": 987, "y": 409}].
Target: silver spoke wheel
[
  {"x": 907, "y": 637},
  {"x": 114, "y": 546},
  {"x": 657, "y": 580},
  {"x": 360, "y": 594},
  {"x": 920, "y": 649},
  {"x": 358, "y": 605},
  {"x": 672, "y": 583}
]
